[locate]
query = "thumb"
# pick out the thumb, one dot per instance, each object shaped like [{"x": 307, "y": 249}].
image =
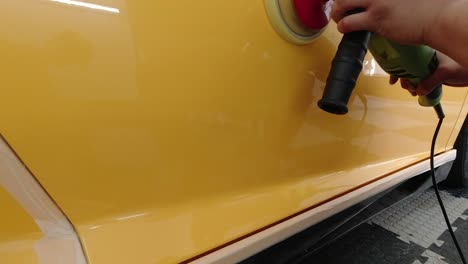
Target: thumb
[{"x": 355, "y": 22}]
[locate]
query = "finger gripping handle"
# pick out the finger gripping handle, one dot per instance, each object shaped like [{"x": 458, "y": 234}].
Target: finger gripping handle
[
  {"x": 434, "y": 97},
  {"x": 345, "y": 69}
]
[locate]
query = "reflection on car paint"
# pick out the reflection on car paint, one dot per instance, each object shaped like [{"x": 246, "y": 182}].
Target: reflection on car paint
[{"x": 88, "y": 5}]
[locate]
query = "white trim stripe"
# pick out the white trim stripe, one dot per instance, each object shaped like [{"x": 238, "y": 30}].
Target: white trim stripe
[
  {"x": 253, "y": 244},
  {"x": 60, "y": 243}
]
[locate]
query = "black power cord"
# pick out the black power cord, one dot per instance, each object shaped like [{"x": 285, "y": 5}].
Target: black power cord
[{"x": 440, "y": 114}]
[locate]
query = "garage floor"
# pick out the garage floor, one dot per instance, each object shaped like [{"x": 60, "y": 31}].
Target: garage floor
[{"x": 410, "y": 232}]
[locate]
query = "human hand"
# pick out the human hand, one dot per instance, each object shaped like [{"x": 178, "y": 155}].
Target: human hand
[
  {"x": 402, "y": 21},
  {"x": 449, "y": 73}
]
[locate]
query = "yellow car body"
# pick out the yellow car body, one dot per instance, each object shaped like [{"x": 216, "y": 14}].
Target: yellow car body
[{"x": 164, "y": 130}]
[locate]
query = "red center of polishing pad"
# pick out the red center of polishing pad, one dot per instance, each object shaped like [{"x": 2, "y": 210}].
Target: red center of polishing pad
[{"x": 313, "y": 13}]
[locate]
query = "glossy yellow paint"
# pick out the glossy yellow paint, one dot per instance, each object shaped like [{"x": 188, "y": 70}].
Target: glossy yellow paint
[
  {"x": 19, "y": 233},
  {"x": 166, "y": 128}
]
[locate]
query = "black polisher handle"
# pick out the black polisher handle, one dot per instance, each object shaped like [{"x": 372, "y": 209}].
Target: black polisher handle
[{"x": 345, "y": 70}]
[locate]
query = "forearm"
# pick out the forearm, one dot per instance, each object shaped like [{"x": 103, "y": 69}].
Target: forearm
[{"x": 449, "y": 33}]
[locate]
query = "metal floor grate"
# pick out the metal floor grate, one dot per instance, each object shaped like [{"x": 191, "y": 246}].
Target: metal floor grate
[{"x": 410, "y": 232}]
